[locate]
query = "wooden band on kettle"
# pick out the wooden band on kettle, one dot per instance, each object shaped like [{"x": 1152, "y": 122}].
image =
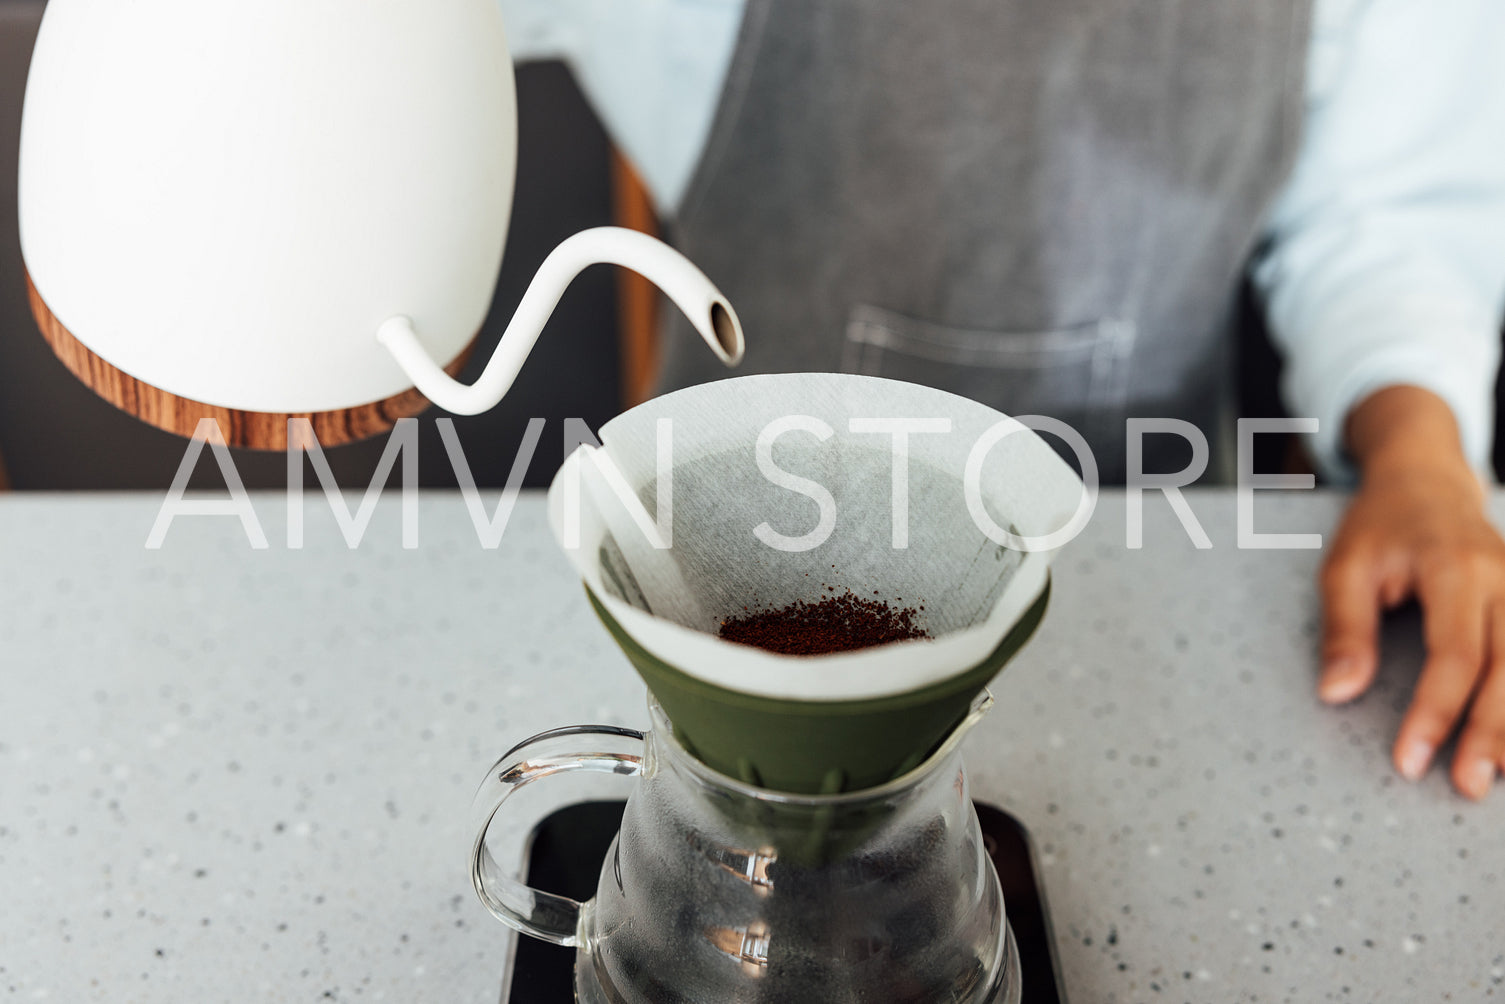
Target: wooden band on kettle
[{"x": 253, "y": 429}]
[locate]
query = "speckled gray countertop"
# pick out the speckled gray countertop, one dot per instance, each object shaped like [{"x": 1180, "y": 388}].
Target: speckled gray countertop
[{"x": 234, "y": 775}]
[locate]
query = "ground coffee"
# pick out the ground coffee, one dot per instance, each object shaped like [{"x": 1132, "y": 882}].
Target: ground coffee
[{"x": 834, "y": 624}]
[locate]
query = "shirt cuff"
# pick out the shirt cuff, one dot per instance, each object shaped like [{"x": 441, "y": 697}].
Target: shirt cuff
[{"x": 1443, "y": 348}]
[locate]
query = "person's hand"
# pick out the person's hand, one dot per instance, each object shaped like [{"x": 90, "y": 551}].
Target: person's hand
[{"x": 1417, "y": 527}]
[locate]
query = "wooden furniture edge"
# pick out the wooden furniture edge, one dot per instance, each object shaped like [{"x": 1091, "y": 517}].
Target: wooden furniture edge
[{"x": 637, "y": 298}]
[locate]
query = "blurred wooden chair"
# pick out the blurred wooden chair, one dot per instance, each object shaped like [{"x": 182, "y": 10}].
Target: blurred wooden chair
[{"x": 637, "y": 299}]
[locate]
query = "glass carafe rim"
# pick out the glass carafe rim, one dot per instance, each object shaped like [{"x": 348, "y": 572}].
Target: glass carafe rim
[{"x": 682, "y": 757}]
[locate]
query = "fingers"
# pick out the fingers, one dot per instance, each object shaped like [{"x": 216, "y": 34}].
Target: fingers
[
  {"x": 1394, "y": 588},
  {"x": 1481, "y": 748},
  {"x": 1454, "y": 611},
  {"x": 1351, "y": 598}
]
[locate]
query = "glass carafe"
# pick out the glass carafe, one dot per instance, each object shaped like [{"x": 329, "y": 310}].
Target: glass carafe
[{"x": 717, "y": 891}]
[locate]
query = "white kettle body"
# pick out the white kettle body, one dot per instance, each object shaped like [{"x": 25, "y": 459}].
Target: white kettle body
[{"x": 229, "y": 202}]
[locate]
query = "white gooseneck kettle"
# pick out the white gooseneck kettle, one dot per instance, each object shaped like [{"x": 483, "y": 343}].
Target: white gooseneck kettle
[{"x": 289, "y": 207}]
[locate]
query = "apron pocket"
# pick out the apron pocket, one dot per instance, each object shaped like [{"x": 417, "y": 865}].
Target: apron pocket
[{"x": 1079, "y": 374}]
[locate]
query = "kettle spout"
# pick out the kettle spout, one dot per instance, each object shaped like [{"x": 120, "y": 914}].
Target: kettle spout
[{"x": 665, "y": 267}]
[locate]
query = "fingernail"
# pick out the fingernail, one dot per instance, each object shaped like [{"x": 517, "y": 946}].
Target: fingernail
[
  {"x": 1477, "y": 777},
  {"x": 1338, "y": 679},
  {"x": 1414, "y": 759}
]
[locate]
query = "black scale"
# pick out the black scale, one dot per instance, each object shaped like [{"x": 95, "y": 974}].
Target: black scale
[{"x": 567, "y": 848}]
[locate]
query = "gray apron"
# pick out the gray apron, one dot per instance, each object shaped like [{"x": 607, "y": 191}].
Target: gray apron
[{"x": 1044, "y": 205}]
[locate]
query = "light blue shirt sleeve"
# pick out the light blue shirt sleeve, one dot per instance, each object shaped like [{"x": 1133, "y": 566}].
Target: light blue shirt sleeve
[
  {"x": 1386, "y": 261},
  {"x": 652, "y": 69}
]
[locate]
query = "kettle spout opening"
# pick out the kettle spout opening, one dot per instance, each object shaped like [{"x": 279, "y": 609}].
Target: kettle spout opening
[{"x": 728, "y": 333}]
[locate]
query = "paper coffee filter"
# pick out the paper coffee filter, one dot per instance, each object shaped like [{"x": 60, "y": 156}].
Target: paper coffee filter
[{"x": 968, "y": 590}]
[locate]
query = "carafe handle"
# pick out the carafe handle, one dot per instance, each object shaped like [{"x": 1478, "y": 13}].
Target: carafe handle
[{"x": 549, "y": 917}]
